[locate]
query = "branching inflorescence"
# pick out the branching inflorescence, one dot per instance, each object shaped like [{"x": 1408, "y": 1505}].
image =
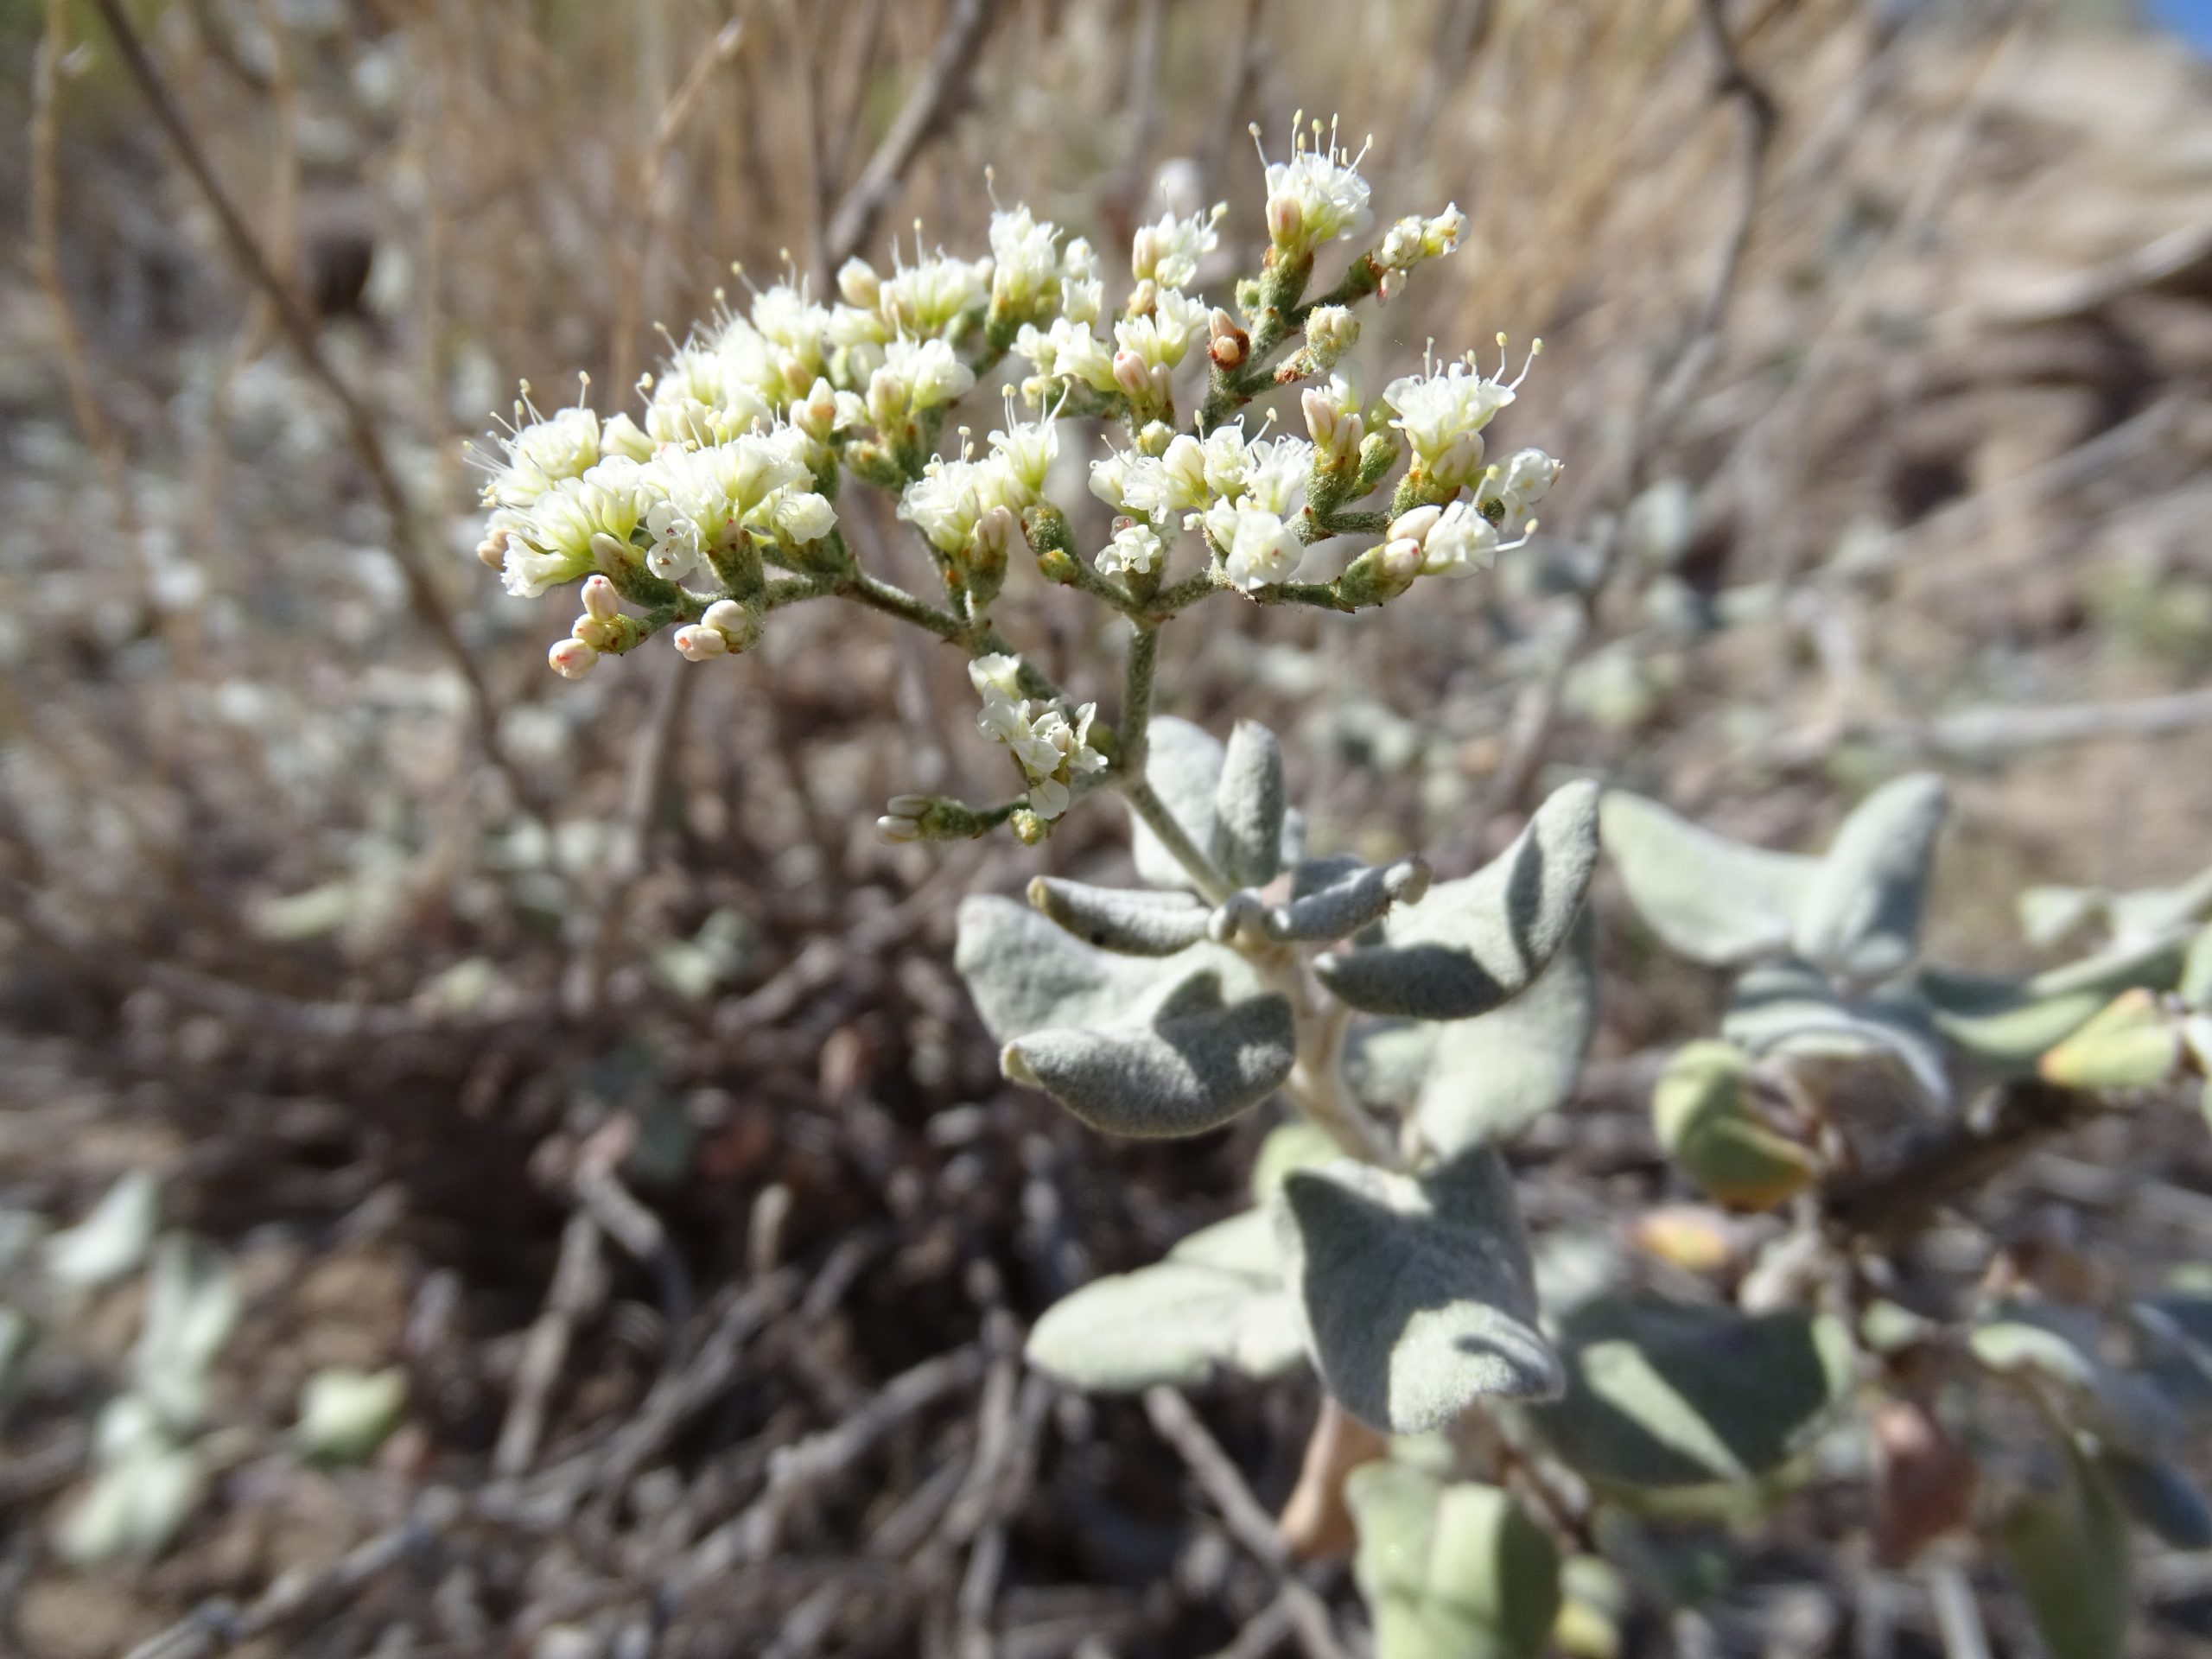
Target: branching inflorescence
[{"x": 720, "y": 507}]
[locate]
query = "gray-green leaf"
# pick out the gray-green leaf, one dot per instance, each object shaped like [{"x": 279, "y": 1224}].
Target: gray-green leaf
[
  {"x": 1451, "y": 1571},
  {"x": 1216, "y": 1303},
  {"x": 1471, "y": 945},
  {"x": 1026, "y": 972},
  {"x": 1491, "y": 1077},
  {"x": 1359, "y": 899},
  {"x": 2069, "y": 1551},
  {"x": 1860, "y": 917},
  {"x": 1662, "y": 1394},
  {"x": 1198, "y": 1064},
  {"x": 1710, "y": 899},
  {"x": 1417, "y": 1293},
  {"x": 1788, "y": 1008},
  {"x": 1129, "y": 921},
  {"x": 1247, "y": 805}
]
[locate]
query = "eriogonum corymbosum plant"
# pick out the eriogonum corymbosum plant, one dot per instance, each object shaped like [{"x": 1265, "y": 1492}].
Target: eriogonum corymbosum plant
[{"x": 1416, "y": 1020}]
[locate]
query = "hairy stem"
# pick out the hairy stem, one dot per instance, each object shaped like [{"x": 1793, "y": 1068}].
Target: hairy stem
[
  {"x": 1136, "y": 696},
  {"x": 1145, "y": 801},
  {"x": 894, "y": 600}
]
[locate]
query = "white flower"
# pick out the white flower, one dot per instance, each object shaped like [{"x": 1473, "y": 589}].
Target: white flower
[
  {"x": 1276, "y": 471},
  {"x": 1110, "y": 479},
  {"x": 1164, "y": 334},
  {"x": 926, "y": 372},
  {"x": 1222, "y": 453},
  {"x": 1442, "y": 416},
  {"x": 932, "y": 296},
  {"x": 565, "y": 444},
  {"x": 857, "y": 282},
  {"x": 706, "y": 397},
  {"x": 1316, "y": 196},
  {"x": 803, "y": 516},
  {"x": 1135, "y": 548},
  {"x": 1027, "y": 451},
  {"x": 620, "y": 436},
  {"x": 1459, "y": 543},
  {"x": 1175, "y": 482},
  {"x": 1026, "y": 261},
  {"x": 1413, "y": 238},
  {"x": 996, "y": 677},
  {"x": 1067, "y": 351},
  {"x": 1507, "y": 494},
  {"x": 557, "y": 542},
  {"x": 950, "y": 498},
  {"x": 727, "y": 487},
  {"x": 1258, "y": 548},
  {"x": 1168, "y": 252},
  {"x": 1332, "y": 418}
]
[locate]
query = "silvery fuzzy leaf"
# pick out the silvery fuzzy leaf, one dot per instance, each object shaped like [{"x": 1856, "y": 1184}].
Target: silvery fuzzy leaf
[
  {"x": 1860, "y": 917},
  {"x": 345, "y": 1414},
  {"x": 1024, "y": 972},
  {"x": 1216, "y": 1303},
  {"x": 112, "y": 1240},
  {"x": 1473, "y": 943},
  {"x": 2060, "y": 1343},
  {"x": 1491, "y": 1077},
  {"x": 1360, "y": 898},
  {"x": 1199, "y": 1064},
  {"x": 1183, "y": 765},
  {"x": 134, "y": 1506},
  {"x": 192, "y": 1306},
  {"x": 2069, "y": 1551},
  {"x": 1662, "y": 1394},
  {"x": 1416, "y": 1291},
  {"x": 1702, "y": 1112},
  {"x": 2010, "y": 1023},
  {"x": 1386, "y": 1062},
  {"x": 1788, "y": 1008},
  {"x": 1451, "y": 1571},
  {"x": 2152, "y": 913},
  {"x": 1130, "y": 922},
  {"x": 2164, "y": 1500},
  {"x": 1247, "y": 804},
  {"x": 2049, "y": 913},
  {"x": 1710, "y": 899}
]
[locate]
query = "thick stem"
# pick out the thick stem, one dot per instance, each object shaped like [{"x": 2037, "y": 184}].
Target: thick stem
[
  {"x": 897, "y": 601},
  {"x": 1136, "y": 696},
  {"x": 1317, "y": 1081}
]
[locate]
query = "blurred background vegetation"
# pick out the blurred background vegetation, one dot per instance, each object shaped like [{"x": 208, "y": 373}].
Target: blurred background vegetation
[{"x": 577, "y": 1050}]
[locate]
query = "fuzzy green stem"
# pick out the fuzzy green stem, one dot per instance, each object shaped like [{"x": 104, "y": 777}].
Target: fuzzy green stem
[
  {"x": 1137, "y": 695},
  {"x": 894, "y": 600}
]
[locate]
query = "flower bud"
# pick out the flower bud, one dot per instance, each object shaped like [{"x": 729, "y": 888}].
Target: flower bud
[
  {"x": 858, "y": 282},
  {"x": 1330, "y": 330},
  {"x": 895, "y": 830},
  {"x": 817, "y": 416},
  {"x": 1132, "y": 374},
  {"x": 1228, "y": 344},
  {"x": 601, "y": 602},
  {"x": 698, "y": 643},
  {"x": 887, "y": 400},
  {"x": 492, "y": 551},
  {"x": 994, "y": 533},
  {"x": 600, "y": 634},
  {"x": 1401, "y": 560},
  {"x": 1284, "y": 220},
  {"x": 571, "y": 659},
  {"x": 1415, "y": 525}
]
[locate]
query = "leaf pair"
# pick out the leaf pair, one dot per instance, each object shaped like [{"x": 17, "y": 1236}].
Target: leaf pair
[
  {"x": 1146, "y": 1046},
  {"x": 1412, "y": 1296},
  {"x": 1228, "y": 799},
  {"x": 1662, "y": 1395},
  {"x": 1855, "y": 914}
]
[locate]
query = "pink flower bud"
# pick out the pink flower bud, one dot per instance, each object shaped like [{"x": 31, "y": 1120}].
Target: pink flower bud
[
  {"x": 571, "y": 659},
  {"x": 1401, "y": 559},
  {"x": 601, "y": 601},
  {"x": 1284, "y": 220},
  {"x": 1131, "y": 374},
  {"x": 1415, "y": 526},
  {"x": 698, "y": 644}
]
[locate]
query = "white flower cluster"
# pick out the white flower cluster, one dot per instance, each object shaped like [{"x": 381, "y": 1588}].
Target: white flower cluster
[
  {"x": 1052, "y": 751},
  {"x": 1441, "y": 412},
  {"x": 956, "y": 500},
  {"x": 1317, "y": 196},
  {"x": 1246, "y": 493}
]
